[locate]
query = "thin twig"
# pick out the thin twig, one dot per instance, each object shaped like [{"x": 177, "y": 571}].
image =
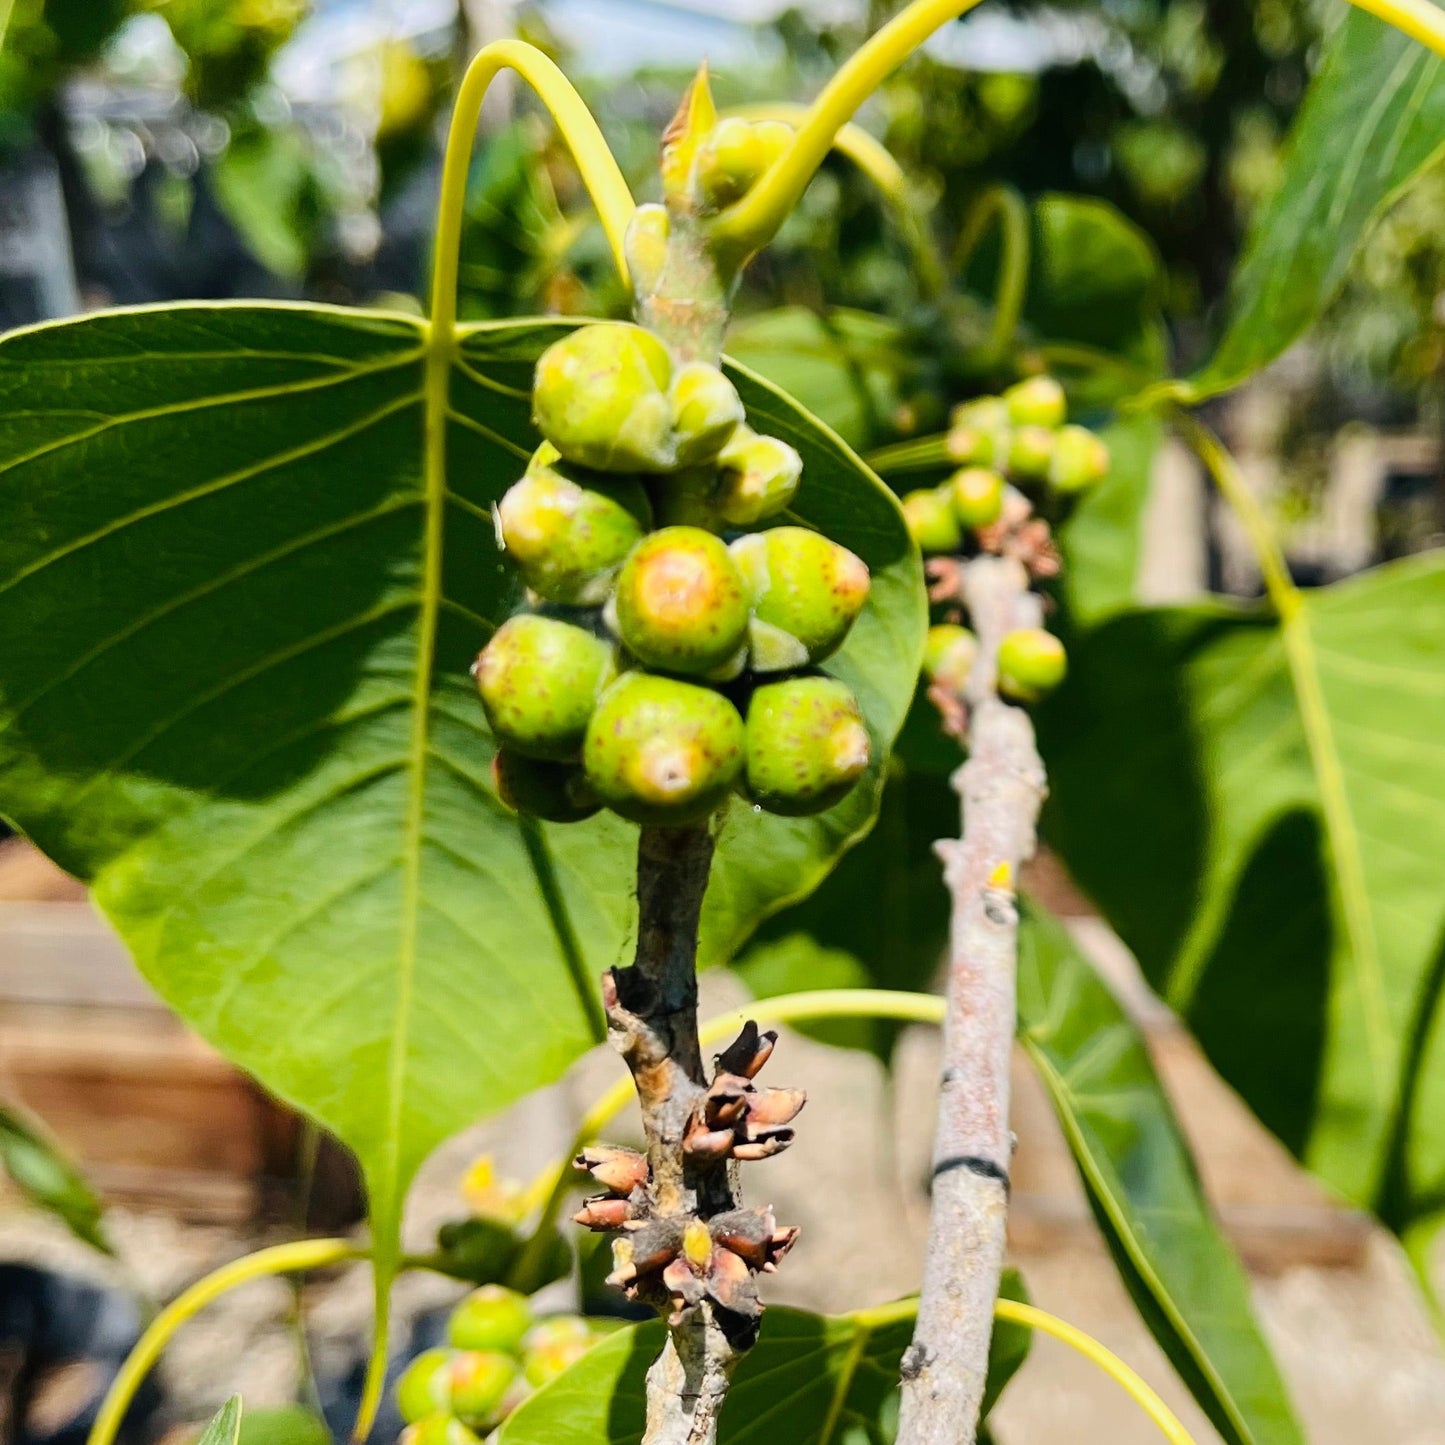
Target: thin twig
[{"x": 1001, "y": 787}]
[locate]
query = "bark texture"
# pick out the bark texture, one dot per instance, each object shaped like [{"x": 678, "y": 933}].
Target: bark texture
[{"x": 1001, "y": 787}]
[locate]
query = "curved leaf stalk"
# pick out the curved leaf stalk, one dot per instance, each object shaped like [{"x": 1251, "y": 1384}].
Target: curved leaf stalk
[
  {"x": 281, "y": 1259},
  {"x": 1004, "y": 205},
  {"x": 1418, "y": 19},
  {"x": 1002, "y": 788}
]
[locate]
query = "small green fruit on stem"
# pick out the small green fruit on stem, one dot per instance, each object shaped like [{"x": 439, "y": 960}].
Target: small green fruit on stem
[
  {"x": 490, "y": 1318},
  {"x": 1039, "y": 401},
  {"x": 932, "y": 521},
  {"x": 805, "y": 584},
  {"x": 425, "y": 1386},
  {"x": 806, "y": 745},
  {"x": 1031, "y": 664},
  {"x": 948, "y": 656},
  {"x": 480, "y": 1380},
  {"x": 978, "y": 494}
]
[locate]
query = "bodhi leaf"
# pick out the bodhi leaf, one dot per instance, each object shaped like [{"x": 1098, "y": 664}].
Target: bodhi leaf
[
  {"x": 1143, "y": 1189},
  {"x": 810, "y": 1380},
  {"x": 1371, "y": 121},
  {"x": 225, "y": 1425},
  {"x": 1255, "y": 807},
  {"x": 246, "y": 558},
  {"x": 42, "y": 1173}
]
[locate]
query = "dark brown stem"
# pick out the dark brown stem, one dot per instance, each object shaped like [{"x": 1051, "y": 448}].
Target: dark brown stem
[
  {"x": 1001, "y": 787},
  {"x": 652, "y": 1022}
]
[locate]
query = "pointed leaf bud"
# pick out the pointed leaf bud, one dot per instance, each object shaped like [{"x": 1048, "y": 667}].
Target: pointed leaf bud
[
  {"x": 620, "y": 1170},
  {"x": 604, "y": 1213},
  {"x": 807, "y": 745},
  {"x": 695, "y": 120},
  {"x": 747, "y": 1053},
  {"x": 539, "y": 681},
  {"x": 730, "y": 1283},
  {"x": 708, "y": 1145},
  {"x": 770, "y": 1108},
  {"x": 753, "y": 1150}
]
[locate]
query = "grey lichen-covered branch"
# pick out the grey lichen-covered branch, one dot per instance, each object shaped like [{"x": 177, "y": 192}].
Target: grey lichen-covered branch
[{"x": 1001, "y": 787}]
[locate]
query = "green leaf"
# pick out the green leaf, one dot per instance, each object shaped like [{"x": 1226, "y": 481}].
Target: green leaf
[
  {"x": 265, "y": 184},
  {"x": 810, "y": 1380},
  {"x": 225, "y": 1426},
  {"x": 1256, "y": 810},
  {"x": 282, "y": 1425},
  {"x": 1371, "y": 121},
  {"x": 42, "y": 1173},
  {"x": 246, "y": 557},
  {"x": 1142, "y": 1186}
]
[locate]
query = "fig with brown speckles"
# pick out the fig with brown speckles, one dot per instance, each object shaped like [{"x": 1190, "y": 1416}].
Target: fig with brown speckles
[
  {"x": 807, "y": 745},
  {"x": 805, "y": 584}
]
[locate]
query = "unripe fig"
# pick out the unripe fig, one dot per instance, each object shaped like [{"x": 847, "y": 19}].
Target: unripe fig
[
  {"x": 646, "y": 245},
  {"x": 774, "y": 138},
  {"x": 760, "y": 476},
  {"x": 490, "y": 1318},
  {"x": 1030, "y": 452},
  {"x": 706, "y": 411},
  {"x": 555, "y": 1345},
  {"x": 600, "y": 397},
  {"x": 1039, "y": 401},
  {"x": 807, "y": 745},
  {"x": 539, "y": 679},
  {"x": 661, "y": 751},
  {"x": 553, "y": 792},
  {"x": 567, "y": 537},
  {"x": 988, "y": 414},
  {"x": 932, "y": 521},
  {"x": 438, "y": 1430},
  {"x": 1031, "y": 663},
  {"x": 425, "y": 1386},
  {"x": 480, "y": 1381},
  {"x": 948, "y": 655},
  {"x": 681, "y": 603},
  {"x": 977, "y": 496},
  {"x": 729, "y": 161},
  {"x": 1080, "y": 460},
  {"x": 805, "y": 584}
]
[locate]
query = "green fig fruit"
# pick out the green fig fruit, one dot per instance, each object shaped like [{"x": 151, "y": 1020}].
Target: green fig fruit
[
  {"x": 663, "y": 752},
  {"x": 490, "y": 1318},
  {"x": 1031, "y": 663},
  {"x": 706, "y": 411},
  {"x": 1039, "y": 401},
  {"x": 480, "y": 1381},
  {"x": 568, "y": 535},
  {"x": 805, "y": 584},
  {"x": 539, "y": 679},
  {"x": 977, "y": 496},
  {"x": 932, "y": 521},
  {"x": 646, "y": 245},
  {"x": 681, "y": 603},
  {"x": 439, "y": 1429},
  {"x": 807, "y": 745},
  {"x": 1080, "y": 460},
  {"x": 774, "y": 138},
  {"x": 948, "y": 655},
  {"x": 729, "y": 161},
  {"x": 1030, "y": 452},
  {"x": 425, "y": 1386},
  {"x": 554, "y": 1346},
  {"x": 600, "y": 397},
  {"x": 553, "y": 792},
  {"x": 760, "y": 477}
]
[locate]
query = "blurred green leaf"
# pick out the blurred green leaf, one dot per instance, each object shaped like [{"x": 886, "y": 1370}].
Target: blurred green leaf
[
  {"x": 42, "y": 1173},
  {"x": 1372, "y": 120},
  {"x": 1256, "y": 810},
  {"x": 265, "y": 184},
  {"x": 1144, "y": 1191},
  {"x": 282, "y": 1425},
  {"x": 225, "y": 1425}
]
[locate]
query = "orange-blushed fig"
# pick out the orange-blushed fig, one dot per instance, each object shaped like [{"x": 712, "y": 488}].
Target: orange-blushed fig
[
  {"x": 490, "y": 1318},
  {"x": 681, "y": 604},
  {"x": 1031, "y": 663},
  {"x": 759, "y": 478},
  {"x": 1080, "y": 460},
  {"x": 1038, "y": 401},
  {"x": 553, "y": 792},
  {"x": 567, "y": 534},
  {"x": 977, "y": 494},
  {"x": 439, "y": 1429},
  {"x": 660, "y": 751},
  {"x": 539, "y": 679},
  {"x": 425, "y": 1386},
  {"x": 553, "y": 1346},
  {"x": 807, "y": 745},
  {"x": 706, "y": 411},
  {"x": 805, "y": 584},
  {"x": 600, "y": 397},
  {"x": 948, "y": 655},
  {"x": 480, "y": 1381},
  {"x": 932, "y": 521},
  {"x": 1031, "y": 449}
]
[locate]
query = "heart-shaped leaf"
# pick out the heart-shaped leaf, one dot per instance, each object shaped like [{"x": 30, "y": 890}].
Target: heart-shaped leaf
[
  {"x": 1371, "y": 121},
  {"x": 1255, "y": 806},
  {"x": 246, "y": 557},
  {"x": 810, "y": 1380},
  {"x": 1143, "y": 1189}
]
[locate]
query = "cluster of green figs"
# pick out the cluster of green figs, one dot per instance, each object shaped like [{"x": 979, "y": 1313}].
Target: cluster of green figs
[
  {"x": 1011, "y": 449},
  {"x": 667, "y": 652},
  {"x": 497, "y": 1353}
]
